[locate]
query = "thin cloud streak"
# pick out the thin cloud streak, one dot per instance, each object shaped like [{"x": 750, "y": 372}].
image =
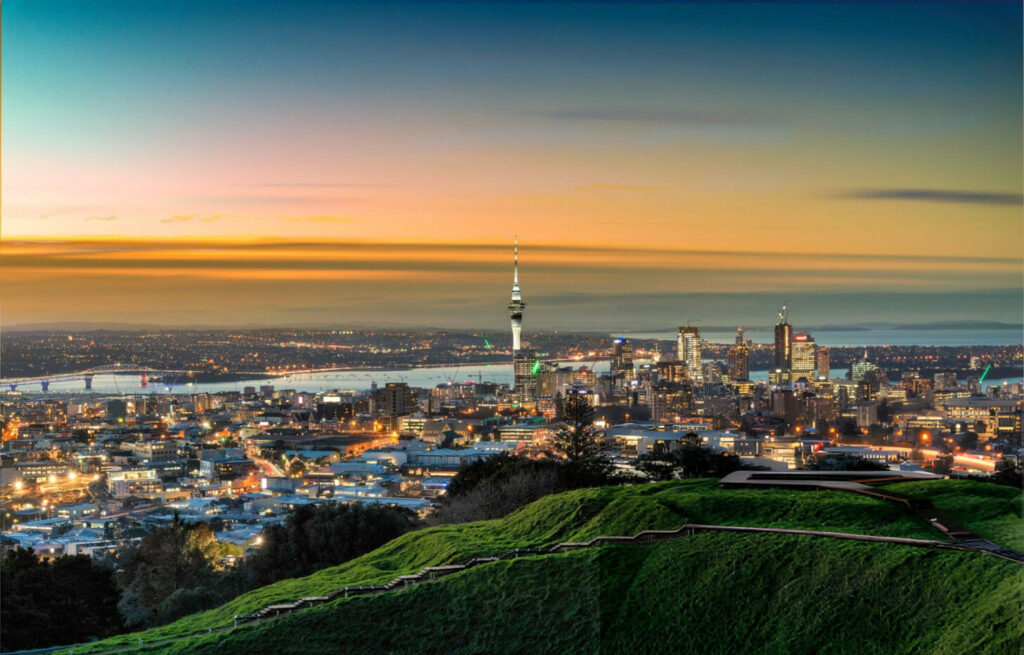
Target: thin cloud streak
[
  {"x": 54, "y": 246},
  {"x": 314, "y": 185},
  {"x": 664, "y": 116},
  {"x": 619, "y": 187},
  {"x": 937, "y": 195}
]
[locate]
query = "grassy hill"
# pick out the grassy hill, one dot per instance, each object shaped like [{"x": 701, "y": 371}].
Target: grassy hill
[{"x": 709, "y": 593}]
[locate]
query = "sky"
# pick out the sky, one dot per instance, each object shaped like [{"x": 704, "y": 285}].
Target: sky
[{"x": 316, "y": 163}]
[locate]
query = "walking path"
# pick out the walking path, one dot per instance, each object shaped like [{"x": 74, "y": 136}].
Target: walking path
[{"x": 859, "y": 482}]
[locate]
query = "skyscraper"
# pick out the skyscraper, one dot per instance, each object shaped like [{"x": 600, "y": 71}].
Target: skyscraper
[
  {"x": 783, "y": 342},
  {"x": 622, "y": 358},
  {"x": 516, "y": 305},
  {"x": 688, "y": 349},
  {"x": 739, "y": 358},
  {"x": 862, "y": 368},
  {"x": 524, "y": 370},
  {"x": 802, "y": 358},
  {"x": 823, "y": 363}
]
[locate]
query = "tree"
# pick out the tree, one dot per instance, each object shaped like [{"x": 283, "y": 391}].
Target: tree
[
  {"x": 73, "y": 590},
  {"x": 943, "y": 465},
  {"x": 843, "y": 462},
  {"x": 578, "y": 444},
  {"x": 501, "y": 495},
  {"x": 689, "y": 460},
  {"x": 167, "y": 560},
  {"x": 313, "y": 538},
  {"x": 967, "y": 440},
  {"x": 1008, "y": 474}
]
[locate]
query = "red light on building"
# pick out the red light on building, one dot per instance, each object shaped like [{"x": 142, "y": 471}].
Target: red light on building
[{"x": 801, "y": 337}]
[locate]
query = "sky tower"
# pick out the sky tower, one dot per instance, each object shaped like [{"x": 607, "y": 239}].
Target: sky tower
[{"x": 516, "y": 306}]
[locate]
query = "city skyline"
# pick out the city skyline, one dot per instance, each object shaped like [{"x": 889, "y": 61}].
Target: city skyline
[{"x": 368, "y": 164}]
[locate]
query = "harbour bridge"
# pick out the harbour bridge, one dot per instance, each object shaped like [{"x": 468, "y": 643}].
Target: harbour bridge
[{"x": 87, "y": 376}]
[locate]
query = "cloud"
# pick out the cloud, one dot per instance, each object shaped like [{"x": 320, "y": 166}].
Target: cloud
[
  {"x": 317, "y": 219},
  {"x": 185, "y": 218},
  {"x": 256, "y": 200},
  {"x": 102, "y": 218},
  {"x": 619, "y": 187},
  {"x": 58, "y": 212},
  {"x": 666, "y": 116},
  {"x": 312, "y": 185},
  {"x": 936, "y": 195}
]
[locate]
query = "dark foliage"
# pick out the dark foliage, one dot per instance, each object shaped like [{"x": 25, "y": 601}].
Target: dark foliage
[
  {"x": 843, "y": 462},
  {"x": 1009, "y": 475},
  {"x": 579, "y": 446},
  {"x": 313, "y": 538},
  {"x": 494, "y": 469},
  {"x": 497, "y": 486},
  {"x": 689, "y": 460},
  {"x": 70, "y": 592},
  {"x": 175, "y": 571},
  {"x": 166, "y": 575}
]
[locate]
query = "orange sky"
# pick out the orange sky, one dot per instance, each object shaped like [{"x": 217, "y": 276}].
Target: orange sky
[{"x": 663, "y": 149}]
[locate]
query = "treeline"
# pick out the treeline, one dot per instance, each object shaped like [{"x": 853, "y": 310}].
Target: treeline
[{"x": 177, "y": 570}]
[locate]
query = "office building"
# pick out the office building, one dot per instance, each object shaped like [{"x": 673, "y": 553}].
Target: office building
[
  {"x": 622, "y": 359},
  {"x": 802, "y": 358},
  {"x": 783, "y": 342},
  {"x": 524, "y": 371},
  {"x": 739, "y": 359},
  {"x": 822, "y": 362},
  {"x": 688, "y": 350}
]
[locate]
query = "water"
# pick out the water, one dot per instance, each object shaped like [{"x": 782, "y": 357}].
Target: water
[
  {"x": 358, "y": 380},
  {"x": 307, "y": 382}
]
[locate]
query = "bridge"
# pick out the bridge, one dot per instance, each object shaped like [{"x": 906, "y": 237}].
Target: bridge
[{"x": 86, "y": 376}]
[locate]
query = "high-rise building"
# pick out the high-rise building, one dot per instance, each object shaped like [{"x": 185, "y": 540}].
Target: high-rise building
[
  {"x": 622, "y": 358},
  {"x": 516, "y": 305},
  {"x": 524, "y": 370},
  {"x": 822, "y": 363},
  {"x": 802, "y": 358},
  {"x": 669, "y": 400},
  {"x": 671, "y": 371},
  {"x": 396, "y": 399},
  {"x": 783, "y": 342},
  {"x": 945, "y": 380},
  {"x": 862, "y": 368},
  {"x": 739, "y": 359},
  {"x": 688, "y": 349}
]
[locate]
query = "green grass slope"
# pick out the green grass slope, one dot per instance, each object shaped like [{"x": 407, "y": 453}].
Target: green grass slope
[
  {"x": 989, "y": 510},
  {"x": 711, "y": 593},
  {"x": 583, "y": 514}
]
